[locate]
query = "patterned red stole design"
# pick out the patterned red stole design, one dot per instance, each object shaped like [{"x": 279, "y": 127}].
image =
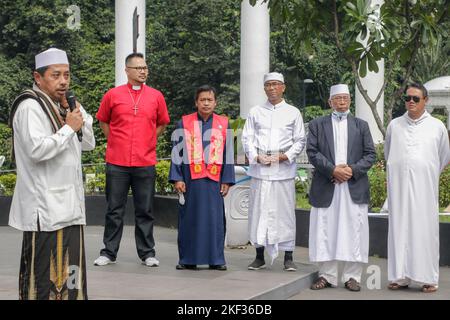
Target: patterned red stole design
[{"x": 194, "y": 144}]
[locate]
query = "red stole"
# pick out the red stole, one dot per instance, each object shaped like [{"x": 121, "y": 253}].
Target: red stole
[{"x": 194, "y": 144}]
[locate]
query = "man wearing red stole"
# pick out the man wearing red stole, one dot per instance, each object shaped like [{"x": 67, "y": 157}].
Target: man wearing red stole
[{"x": 202, "y": 175}]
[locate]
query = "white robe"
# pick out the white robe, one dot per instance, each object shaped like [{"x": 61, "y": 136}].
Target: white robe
[
  {"x": 416, "y": 152},
  {"x": 341, "y": 231},
  {"x": 272, "y": 220},
  {"x": 272, "y": 190}
]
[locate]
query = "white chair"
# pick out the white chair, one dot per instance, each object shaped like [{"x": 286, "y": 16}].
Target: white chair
[{"x": 2, "y": 159}]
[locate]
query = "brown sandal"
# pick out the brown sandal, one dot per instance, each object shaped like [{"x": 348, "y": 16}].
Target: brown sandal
[
  {"x": 396, "y": 286},
  {"x": 320, "y": 283},
  {"x": 352, "y": 285},
  {"x": 427, "y": 288}
]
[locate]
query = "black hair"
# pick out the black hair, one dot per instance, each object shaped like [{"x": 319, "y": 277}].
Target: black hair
[
  {"x": 133, "y": 55},
  {"x": 206, "y": 88},
  {"x": 42, "y": 70},
  {"x": 419, "y": 86}
]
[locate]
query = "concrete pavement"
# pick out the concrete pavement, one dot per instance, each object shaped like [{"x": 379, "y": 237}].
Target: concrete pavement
[{"x": 130, "y": 280}]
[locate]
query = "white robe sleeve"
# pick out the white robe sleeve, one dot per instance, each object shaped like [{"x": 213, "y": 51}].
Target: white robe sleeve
[
  {"x": 248, "y": 137},
  {"x": 88, "y": 141},
  {"x": 444, "y": 150},
  {"x": 299, "y": 139},
  {"x": 387, "y": 142},
  {"x": 31, "y": 127}
]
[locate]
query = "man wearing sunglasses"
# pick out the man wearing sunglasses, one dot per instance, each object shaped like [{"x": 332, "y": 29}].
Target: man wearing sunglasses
[{"x": 416, "y": 150}]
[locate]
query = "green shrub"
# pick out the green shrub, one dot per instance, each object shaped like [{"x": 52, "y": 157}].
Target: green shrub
[
  {"x": 95, "y": 156},
  {"x": 5, "y": 146},
  {"x": 7, "y": 184},
  {"x": 377, "y": 181},
  {"x": 96, "y": 184},
  {"x": 311, "y": 112},
  {"x": 162, "y": 185},
  {"x": 444, "y": 188}
]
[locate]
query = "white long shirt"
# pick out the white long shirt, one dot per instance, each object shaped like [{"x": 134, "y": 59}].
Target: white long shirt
[
  {"x": 416, "y": 152},
  {"x": 49, "y": 185},
  {"x": 273, "y": 128},
  {"x": 341, "y": 231}
]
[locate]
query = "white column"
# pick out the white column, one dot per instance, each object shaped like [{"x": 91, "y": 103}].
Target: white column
[
  {"x": 372, "y": 82},
  {"x": 448, "y": 117},
  {"x": 124, "y": 34},
  {"x": 255, "y": 41}
]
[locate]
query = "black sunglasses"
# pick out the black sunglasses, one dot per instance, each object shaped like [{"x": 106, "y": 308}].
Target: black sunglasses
[{"x": 416, "y": 99}]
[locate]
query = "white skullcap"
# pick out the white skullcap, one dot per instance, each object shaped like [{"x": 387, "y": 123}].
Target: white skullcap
[
  {"x": 273, "y": 76},
  {"x": 51, "y": 56},
  {"x": 339, "y": 89}
]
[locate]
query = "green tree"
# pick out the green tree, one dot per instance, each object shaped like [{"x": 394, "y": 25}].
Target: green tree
[
  {"x": 191, "y": 43},
  {"x": 396, "y": 32}
]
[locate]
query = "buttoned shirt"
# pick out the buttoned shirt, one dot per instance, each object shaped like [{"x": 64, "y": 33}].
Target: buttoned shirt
[{"x": 133, "y": 116}]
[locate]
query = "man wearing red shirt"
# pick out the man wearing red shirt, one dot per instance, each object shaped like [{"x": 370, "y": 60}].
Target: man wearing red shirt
[{"x": 131, "y": 117}]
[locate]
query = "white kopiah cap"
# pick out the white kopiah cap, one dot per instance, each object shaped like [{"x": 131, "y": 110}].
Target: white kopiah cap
[
  {"x": 339, "y": 89},
  {"x": 273, "y": 76},
  {"x": 51, "y": 56}
]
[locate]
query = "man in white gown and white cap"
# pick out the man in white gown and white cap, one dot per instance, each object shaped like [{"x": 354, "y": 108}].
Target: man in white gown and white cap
[
  {"x": 273, "y": 137},
  {"x": 416, "y": 151},
  {"x": 48, "y": 202},
  {"x": 340, "y": 147}
]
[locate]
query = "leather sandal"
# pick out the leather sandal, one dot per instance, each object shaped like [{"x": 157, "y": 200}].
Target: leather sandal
[
  {"x": 320, "y": 283},
  {"x": 396, "y": 286},
  {"x": 352, "y": 285},
  {"x": 428, "y": 288}
]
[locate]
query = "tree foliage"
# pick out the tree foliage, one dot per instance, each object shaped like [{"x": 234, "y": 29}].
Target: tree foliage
[
  {"x": 191, "y": 43},
  {"x": 396, "y": 31}
]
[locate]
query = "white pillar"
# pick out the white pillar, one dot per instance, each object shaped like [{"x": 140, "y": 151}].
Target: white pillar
[
  {"x": 255, "y": 43},
  {"x": 372, "y": 82},
  {"x": 124, "y": 34}
]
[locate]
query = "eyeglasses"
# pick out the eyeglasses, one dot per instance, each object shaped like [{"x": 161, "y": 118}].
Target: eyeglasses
[
  {"x": 272, "y": 85},
  {"x": 140, "y": 69},
  {"x": 416, "y": 99}
]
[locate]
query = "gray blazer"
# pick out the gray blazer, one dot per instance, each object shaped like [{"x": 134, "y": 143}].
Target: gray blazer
[{"x": 360, "y": 157}]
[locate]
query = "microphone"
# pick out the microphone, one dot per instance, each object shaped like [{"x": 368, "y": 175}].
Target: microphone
[{"x": 72, "y": 101}]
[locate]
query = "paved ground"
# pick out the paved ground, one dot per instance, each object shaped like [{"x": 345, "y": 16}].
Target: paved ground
[
  {"x": 128, "y": 279},
  {"x": 380, "y": 293}
]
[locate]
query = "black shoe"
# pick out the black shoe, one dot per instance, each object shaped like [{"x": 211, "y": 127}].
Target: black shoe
[
  {"x": 186, "y": 266},
  {"x": 221, "y": 267},
  {"x": 257, "y": 264},
  {"x": 289, "y": 265}
]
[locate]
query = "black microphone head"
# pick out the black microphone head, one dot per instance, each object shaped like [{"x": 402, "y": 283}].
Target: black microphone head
[
  {"x": 71, "y": 100},
  {"x": 69, "y": 95}
]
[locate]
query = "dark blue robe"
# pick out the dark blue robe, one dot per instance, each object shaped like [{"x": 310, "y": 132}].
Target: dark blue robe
[{"x": 201, "y": 220}]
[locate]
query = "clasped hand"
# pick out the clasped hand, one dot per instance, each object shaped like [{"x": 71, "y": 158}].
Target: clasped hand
[
  {"x": 342, "y": 173},
  {"x": 268, "y": 160}
]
